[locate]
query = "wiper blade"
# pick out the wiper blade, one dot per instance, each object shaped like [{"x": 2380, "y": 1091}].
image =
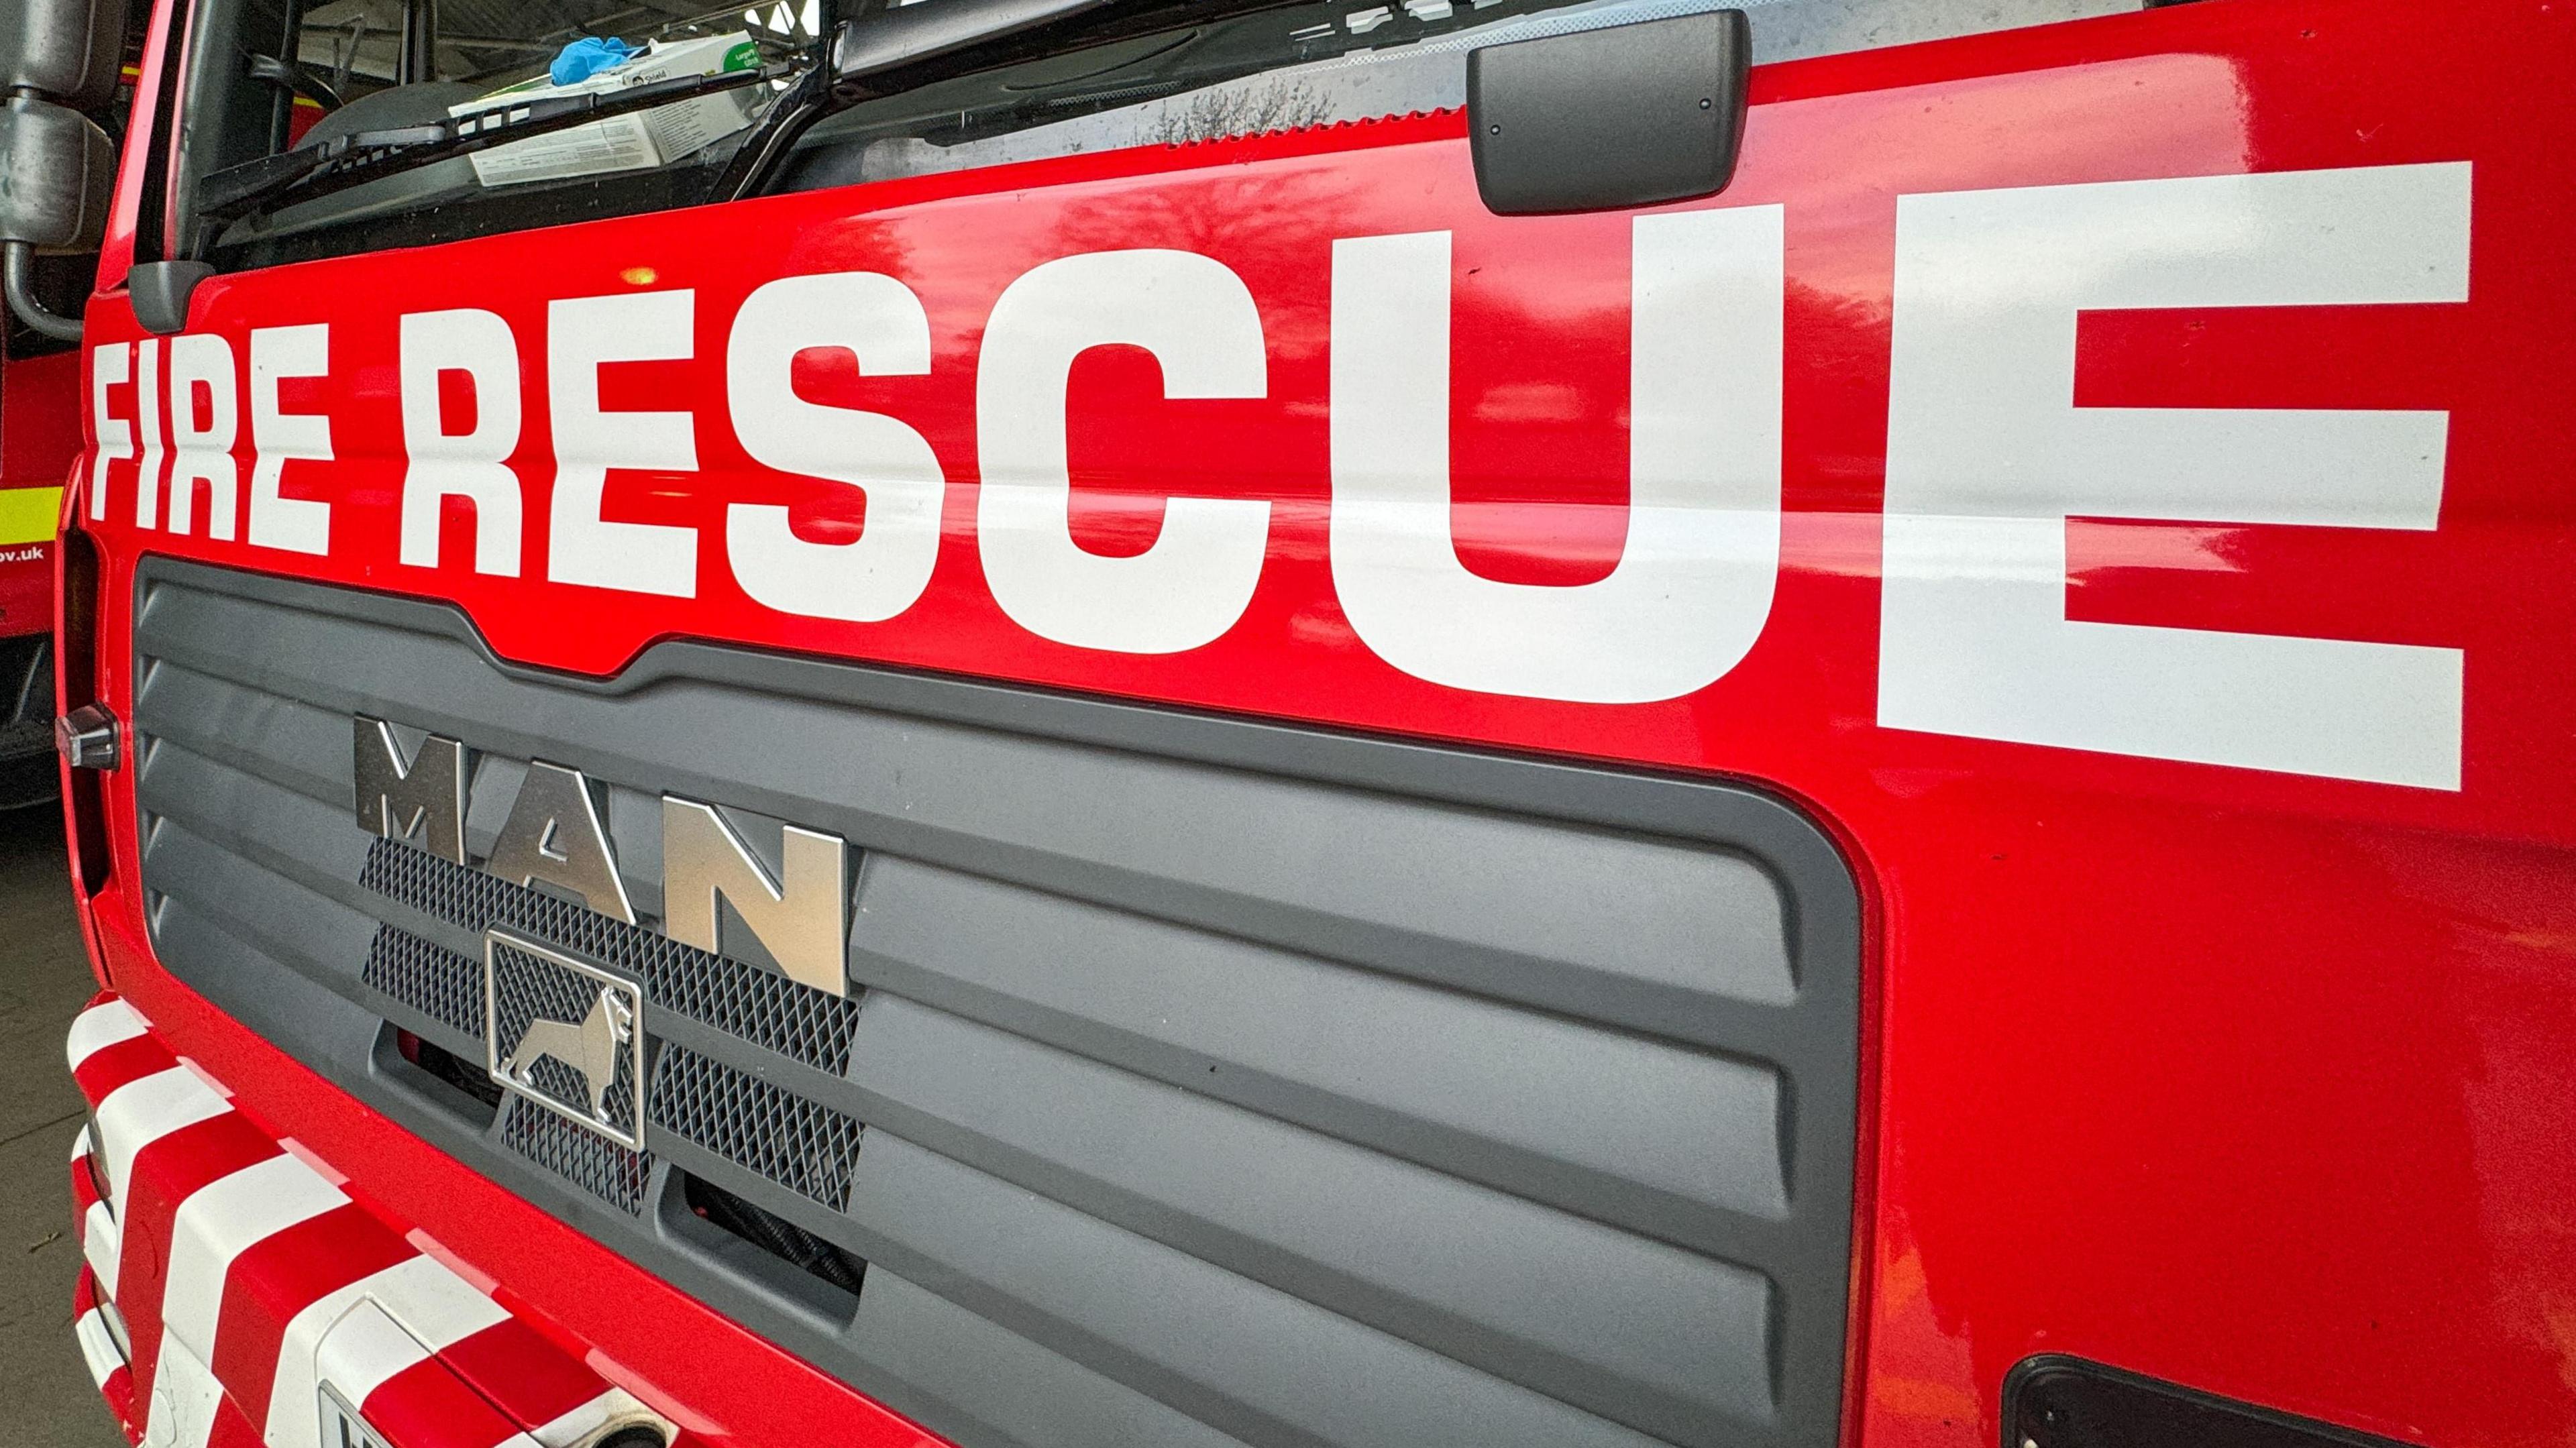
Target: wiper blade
[
  {"x": 879, "y": 56},
  {"x": 895, "y": 50},
  {"x": 353, "y": 160}
]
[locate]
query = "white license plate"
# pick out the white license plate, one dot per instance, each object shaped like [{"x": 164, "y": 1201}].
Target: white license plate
[{"x": 343, "y": 1426}]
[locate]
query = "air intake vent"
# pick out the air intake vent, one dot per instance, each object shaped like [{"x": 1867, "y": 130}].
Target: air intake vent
[
  {"x": 773, "y": 1234},
  {"x": 446, "y": 1067}
]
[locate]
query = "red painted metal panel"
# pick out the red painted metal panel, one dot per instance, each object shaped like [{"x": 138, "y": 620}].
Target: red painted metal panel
[{"x": 40, "y": 436}]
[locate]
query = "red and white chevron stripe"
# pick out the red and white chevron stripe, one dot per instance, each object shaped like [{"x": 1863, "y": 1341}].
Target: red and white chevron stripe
[{"x": 244, "y": 1280}]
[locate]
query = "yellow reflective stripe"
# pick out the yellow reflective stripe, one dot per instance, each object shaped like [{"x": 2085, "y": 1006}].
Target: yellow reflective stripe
[{"x": 28, "y": 515}]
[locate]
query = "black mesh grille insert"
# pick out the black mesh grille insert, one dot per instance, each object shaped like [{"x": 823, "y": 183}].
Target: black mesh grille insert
[
  {"x": 591, "y": 1161},
  {"x": 429, "y": 978},
  {"x": 805, "y": 1147},
  {"x": 808, "y": 1148},
  {"x": 737, "y": 998}
]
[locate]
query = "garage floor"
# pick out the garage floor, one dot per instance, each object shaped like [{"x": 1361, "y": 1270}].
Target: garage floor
[{"x": 46, "y": 1400}]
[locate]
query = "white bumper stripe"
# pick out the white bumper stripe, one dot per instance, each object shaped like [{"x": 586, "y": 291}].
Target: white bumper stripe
[
  {"x": 218, "y": 1223},
  {"x": 184, "y": 1398},
  {"x": 100, "y": 1027},
  {"x": 98, "y": 1347},
  {"x": 437, "y": 1307},
  {"x": 147, "y": 1109},
  {"x": 363, "y": 1350},
  {"x": 101, "y": 1243}
]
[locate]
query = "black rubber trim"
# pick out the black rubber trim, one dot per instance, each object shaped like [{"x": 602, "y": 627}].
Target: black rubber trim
[{"x": 2055, "y": 1401}]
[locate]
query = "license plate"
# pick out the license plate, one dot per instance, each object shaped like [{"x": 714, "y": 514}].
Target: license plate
[{"x": 343, "y": 1426}]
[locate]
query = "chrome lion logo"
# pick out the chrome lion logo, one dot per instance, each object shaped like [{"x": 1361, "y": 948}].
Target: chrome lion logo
[
  {"x": 564, "y": 1034},
  {"x": 589, "y": 1047}
]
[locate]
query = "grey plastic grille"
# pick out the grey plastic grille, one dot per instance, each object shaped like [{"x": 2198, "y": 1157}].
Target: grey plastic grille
[
  {"x": 736, "y": 998},
  {"x": 1203, "y": 1081},
  {"x": 590, "y": 1161},
  {"x": 807, "y": 1148},
  {"x": 437, "y": 982}
]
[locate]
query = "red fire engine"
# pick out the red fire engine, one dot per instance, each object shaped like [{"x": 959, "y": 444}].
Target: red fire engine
[
  {"x": 1392, "y": 722},
  {"x": 39, "y": 437}
]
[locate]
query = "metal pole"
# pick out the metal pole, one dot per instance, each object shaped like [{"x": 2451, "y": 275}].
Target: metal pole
[
  {"x": 18, "y": 262},
  {"x": 419, "y": 43}
]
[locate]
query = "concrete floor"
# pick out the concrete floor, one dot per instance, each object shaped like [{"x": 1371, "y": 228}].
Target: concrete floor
[{"x": 46, "y": 1400}]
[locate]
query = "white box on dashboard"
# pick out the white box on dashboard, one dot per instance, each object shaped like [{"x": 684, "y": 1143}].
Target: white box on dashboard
[{"x": 633, "y": 142}]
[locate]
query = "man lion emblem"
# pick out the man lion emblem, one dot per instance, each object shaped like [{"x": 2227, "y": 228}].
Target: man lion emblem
[{"x": 589, "y": 1047}]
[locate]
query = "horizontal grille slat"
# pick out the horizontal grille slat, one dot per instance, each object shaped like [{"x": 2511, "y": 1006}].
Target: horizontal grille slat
[
  {"x": 284, "y": 741},
  {"x": 299, "y": 928},
  {"x": 1593, "y": 1314},
  {"x": 1199, "y": 1081},
  {"x": 1478, "y": 1085},
  {"x": 1247, "y": 1358},
  {"x": 1020, "y": 1392},
  {"x": 293, "y": 834}
]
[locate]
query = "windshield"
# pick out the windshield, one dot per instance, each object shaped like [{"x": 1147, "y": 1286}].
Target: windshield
[
  {"x": 1136, "y": 75},
  {"x": 363, "y": 66},
  {"x": 1163, "y": 74},
  {"x": 359, "y": 45}
]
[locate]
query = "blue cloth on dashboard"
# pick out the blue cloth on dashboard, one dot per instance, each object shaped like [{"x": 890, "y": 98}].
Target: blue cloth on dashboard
[{"x": 587, "y": 57}]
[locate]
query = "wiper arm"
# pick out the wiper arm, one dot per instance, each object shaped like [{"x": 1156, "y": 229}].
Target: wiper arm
[
  {"x": 346, "y": 161},
  {"x": 890, "y": 52},
  {"x": 891, "y": 40},
  {"x": 885, "y": 54}
]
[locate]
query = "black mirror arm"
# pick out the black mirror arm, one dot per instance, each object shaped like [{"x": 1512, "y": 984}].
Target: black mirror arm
[
  {"x": 18, "y": 267},
  {"x": 789, "y": 116},
  {"x": 293, "y": 78}
]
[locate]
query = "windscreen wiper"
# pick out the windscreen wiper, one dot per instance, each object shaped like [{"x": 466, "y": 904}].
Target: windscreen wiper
[
  {"x": 874, "y": 56},
  {"x": 867, "y": 58},
  {"x": 910, "y": 46},
  {"x": 353, "y": 160}
]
